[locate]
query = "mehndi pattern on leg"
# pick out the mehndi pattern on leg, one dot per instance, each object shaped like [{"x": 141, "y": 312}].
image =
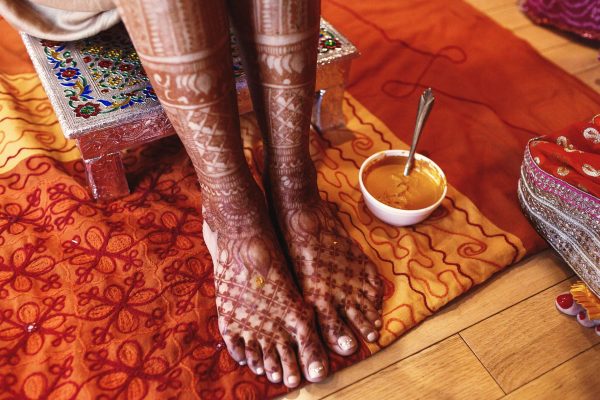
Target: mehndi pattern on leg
[
  {"x": 279, "y": 45},
  {"x": 184, "y": 47}
]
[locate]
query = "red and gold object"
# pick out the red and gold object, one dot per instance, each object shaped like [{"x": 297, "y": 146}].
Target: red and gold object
[
  {"x": 587, "y": 299},
  {"x": 559, "y": 191}
]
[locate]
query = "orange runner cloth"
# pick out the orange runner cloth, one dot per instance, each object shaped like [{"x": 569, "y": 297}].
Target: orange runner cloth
[
  {"x": 116, "y": 300},
  {"x": 493, "y": 93}
]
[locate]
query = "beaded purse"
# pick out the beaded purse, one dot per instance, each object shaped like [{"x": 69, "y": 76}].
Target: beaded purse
[
  {"x": 578, "y": 16},
  {"x": 558, "y": 191}
]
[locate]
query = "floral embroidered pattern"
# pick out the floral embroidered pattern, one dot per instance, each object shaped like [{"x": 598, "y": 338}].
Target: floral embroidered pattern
[
  {"x": 571, "y": 155},
  {"x": 328, "y": 41},
  {"x": 114, "y": 67},
  {"x": 113, "y": 63},
  {"x": 118, "y": 79},
  {"x": 137, "y": 271}
]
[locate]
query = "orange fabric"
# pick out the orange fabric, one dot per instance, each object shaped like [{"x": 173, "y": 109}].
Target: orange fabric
[
  {"x": 424, "y": 266},
  {"x": 116, "y": 300},
  {"x": 12, "y": 51},
  {"x": 493, "y": 93}
]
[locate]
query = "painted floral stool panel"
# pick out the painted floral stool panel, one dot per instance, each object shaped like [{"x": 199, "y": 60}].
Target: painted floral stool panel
[{"x": 103, "y": 98}]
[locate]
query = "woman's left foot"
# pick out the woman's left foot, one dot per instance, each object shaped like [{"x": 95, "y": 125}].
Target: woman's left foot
[{"x": 333, "y": 272}]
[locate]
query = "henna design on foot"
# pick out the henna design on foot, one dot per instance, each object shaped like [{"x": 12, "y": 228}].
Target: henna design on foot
[
  {"x": 279, "y": 45},
  {"x": 184, "y": 47},
  {"x": 334, "y": 273}
]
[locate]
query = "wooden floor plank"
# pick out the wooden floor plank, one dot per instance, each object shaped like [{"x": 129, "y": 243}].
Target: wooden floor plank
[
  {"x": 528, "y": 339},
  {"x": 488, "y": 5},
  {"x": 576, "y": 379},
  {"x": 502, "y": 291},
  {"x": 540, "y": 38},
  {"x": 573, "y": 57},
  {"x": 428, "y": 375},
  {"x": 510, "y": 17},
  {"x": 591, "y": 77}
]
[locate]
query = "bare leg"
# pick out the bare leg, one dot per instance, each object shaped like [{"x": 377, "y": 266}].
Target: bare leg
[
  {"x": 184, "y": 47},
  {"x": 279, "y": 40}
]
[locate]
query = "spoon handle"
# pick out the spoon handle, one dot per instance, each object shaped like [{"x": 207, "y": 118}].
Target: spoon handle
[{"x": 425, "y": 104}]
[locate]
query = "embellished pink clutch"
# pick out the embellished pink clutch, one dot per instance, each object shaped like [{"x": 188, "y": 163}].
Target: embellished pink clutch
[
  {"x": 562, "y": 202},
  {"x": 578, "y": 16}
]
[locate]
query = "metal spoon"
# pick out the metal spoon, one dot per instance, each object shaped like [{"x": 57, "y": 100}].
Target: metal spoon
[{"x": 425, "y": 104}]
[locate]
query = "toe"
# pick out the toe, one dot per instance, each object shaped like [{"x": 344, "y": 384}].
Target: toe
[
  {"x": 374, "y": 289},
  {"x": 360, "y": 322},
  {"x": 271, "y": 363},
  {"x": 312, "y": 357},
  {"x": 289, "y": 364},
  {"x": 336, "y": 333},
  {"x": 369, "y": 310},
  {"x": 254, "y": 357},
  {"x": 236, "y": 349}
]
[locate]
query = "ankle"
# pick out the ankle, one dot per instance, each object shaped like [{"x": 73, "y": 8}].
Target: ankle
[
  {"x": 293, "y": 180},
  {"x": 232, "y": 202}
]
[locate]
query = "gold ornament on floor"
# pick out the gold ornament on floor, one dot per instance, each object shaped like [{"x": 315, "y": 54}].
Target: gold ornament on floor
[
  {"x": 260, "y": 281},
  {"x": 587, "y": 299}
]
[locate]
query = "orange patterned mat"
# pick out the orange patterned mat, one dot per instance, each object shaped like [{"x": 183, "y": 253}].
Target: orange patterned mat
[{"x": 115, "y": 300}]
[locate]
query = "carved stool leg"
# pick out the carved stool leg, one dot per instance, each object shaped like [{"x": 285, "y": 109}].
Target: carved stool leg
[
  {"x": 106, "y": 176},
  {"x": 327, "y": 109}
]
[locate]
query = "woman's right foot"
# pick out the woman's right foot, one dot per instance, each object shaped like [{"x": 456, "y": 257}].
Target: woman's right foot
[{"x": 262, "y": 318}]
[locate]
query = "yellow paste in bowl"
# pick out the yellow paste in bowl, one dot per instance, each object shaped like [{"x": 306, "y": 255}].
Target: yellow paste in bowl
[{"x": 385, "y": 180}]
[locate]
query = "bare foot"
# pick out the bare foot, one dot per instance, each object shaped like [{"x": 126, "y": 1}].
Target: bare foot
[
  {"x": 184, "y": 46},
  {"x": 335, "y": 275},
  {"x": 279, "y": 43},
  {"x": 262, "y": 318}
]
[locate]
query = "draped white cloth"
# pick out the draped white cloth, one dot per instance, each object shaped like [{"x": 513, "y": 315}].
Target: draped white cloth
[{"x": 62, "y": 20}]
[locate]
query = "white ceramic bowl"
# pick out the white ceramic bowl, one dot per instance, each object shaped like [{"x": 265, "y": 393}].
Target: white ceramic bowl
[{"x": 392, "y": 215}]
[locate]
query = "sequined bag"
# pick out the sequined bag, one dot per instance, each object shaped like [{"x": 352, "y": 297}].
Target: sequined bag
[
  {"x": 578, "y": 16},
  {"x": 559, "y": 191}
]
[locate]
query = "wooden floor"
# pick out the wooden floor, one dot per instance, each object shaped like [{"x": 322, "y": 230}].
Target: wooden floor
[{"x": 503, "y": 339}]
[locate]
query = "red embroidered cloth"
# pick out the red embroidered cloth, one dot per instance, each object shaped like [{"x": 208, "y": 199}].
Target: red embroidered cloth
[{"x": 572, "y": 155}]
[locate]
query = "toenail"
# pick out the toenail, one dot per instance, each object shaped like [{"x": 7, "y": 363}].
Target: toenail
[
  {"x": 292, "y": 379},
  {"x": 242, "y": 363},
  {"x": 260, "y": 371},
  {"x": 378, "y": 323},
  {"x": 371, "y": 337},
  {"x": 316, "y": 370},
  {"x": 276, "y": 376},
  {"x": 345, "y": 342}
]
